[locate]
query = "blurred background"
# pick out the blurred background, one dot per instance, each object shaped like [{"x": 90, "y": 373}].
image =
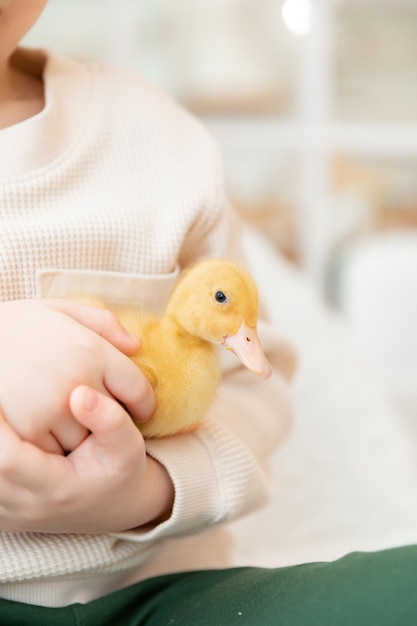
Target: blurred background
[{"x": 315, "y": 105}]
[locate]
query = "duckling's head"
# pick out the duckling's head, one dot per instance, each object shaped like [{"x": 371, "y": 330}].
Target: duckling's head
[{"x": 217, "y": 301}]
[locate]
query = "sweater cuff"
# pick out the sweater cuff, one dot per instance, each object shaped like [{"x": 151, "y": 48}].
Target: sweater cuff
[{"x": 215, "y": 478}]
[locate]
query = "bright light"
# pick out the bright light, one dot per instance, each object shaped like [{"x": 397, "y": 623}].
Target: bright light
[{"x": 298, "y": 16}]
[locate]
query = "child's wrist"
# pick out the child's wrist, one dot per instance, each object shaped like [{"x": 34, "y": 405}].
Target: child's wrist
[{"x": 161, "y": 492}]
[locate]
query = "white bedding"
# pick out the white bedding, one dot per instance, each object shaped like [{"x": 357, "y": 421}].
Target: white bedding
[{"x": 346, "y": 477}]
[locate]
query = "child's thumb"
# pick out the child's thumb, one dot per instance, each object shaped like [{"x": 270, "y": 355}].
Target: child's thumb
[{"x": 103, "y": 416}]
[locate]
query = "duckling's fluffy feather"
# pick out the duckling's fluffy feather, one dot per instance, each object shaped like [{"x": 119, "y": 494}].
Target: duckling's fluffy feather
[
  {"x": 178, "y": 354},
  {"x": 183, "y": 370}
]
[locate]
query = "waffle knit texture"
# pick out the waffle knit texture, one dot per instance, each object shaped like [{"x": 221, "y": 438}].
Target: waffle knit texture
[{"x": 116, "y": 188}]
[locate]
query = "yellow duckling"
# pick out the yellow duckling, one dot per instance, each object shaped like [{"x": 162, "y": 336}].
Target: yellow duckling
[{"x": 214, "y": 302}]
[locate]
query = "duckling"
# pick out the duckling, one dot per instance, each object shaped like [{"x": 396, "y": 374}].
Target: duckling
[{"x": 214, "y": 302}]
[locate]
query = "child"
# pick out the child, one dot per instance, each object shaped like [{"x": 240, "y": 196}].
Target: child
[{"x": 107, "y": 186}]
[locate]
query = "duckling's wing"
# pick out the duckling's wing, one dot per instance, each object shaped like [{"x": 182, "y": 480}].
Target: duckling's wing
[{"x": 149, "y": 373}]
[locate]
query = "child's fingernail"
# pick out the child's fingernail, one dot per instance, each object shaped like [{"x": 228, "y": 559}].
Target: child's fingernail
[{"x": 89, "y": 399}]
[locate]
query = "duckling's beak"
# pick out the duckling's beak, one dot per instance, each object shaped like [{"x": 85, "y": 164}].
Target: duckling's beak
[{"x": 246, "y": 346}]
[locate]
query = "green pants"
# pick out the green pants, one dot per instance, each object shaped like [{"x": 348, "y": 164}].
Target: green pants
[{"x": 361, "y": 589}]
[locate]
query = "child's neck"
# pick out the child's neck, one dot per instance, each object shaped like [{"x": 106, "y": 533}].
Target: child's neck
[{"x": 21, "y": 95}]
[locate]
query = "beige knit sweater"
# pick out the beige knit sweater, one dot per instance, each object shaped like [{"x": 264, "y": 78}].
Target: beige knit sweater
[{"x": 112, "y": 188}]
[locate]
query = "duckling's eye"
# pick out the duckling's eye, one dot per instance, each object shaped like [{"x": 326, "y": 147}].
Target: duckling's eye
[{"x": 220, "y": 297}]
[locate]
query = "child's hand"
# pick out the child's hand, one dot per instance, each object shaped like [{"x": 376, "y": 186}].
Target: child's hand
[
  {"x": 108, "y": 484},
  {"x": 47, "y": 348}
]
